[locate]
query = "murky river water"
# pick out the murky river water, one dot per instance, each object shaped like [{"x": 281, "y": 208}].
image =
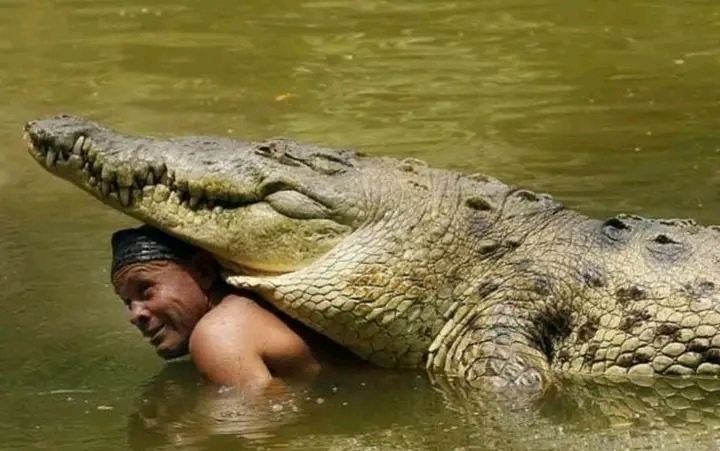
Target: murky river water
[{"x": 610, "y": 106}]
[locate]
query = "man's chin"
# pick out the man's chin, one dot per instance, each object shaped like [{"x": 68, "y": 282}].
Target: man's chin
[{"x": 173, "y": 352}]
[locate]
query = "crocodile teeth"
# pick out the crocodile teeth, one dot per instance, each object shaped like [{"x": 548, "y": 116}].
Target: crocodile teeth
[
  {"x": 51, "y": 157},
  {"x": 150, "y": 180},
  {"x": 105, "y": 188},
  {"x": 124, "y": 196},
  {"x": 194, "y": 201},
  {"x": 76, "y": 161},
  {"x": 166, "y": 178},
  {"x": 86, "y": 144},
  {"x": 77, "y": 147},
  {"x": 140, "y": 177}
]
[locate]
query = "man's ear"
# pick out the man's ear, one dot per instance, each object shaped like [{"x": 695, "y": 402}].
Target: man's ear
[{"x": 206, "y": 268}]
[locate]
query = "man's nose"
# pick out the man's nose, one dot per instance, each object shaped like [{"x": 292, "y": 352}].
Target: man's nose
[{"x": 139, "y": 314}]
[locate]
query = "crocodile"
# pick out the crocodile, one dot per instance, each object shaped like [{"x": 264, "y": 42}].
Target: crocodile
[{"x": 411, "y": 266}]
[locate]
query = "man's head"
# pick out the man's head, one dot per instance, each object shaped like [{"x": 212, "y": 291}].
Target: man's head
[{"x": 165, "y": 284}]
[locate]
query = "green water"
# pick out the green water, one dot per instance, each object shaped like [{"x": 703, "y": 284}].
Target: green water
[{"x": 610, "y": 106}]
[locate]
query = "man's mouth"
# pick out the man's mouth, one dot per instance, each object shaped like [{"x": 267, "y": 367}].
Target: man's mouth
[{"x": 155, "y": 336}]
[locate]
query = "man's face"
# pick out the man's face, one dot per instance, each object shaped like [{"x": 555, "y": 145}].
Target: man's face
[{"x": 166, "y": 300}]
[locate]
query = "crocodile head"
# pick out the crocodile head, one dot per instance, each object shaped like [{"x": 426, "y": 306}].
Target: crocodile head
[
  {"x": 261, "y": 208},
  {"x": 354, "y": 247}
]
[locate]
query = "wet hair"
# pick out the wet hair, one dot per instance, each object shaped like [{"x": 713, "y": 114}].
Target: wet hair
[{"x": 144, "y": 244}]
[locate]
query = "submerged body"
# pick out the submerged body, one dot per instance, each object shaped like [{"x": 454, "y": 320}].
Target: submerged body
[{"x": 411, "y": 266}]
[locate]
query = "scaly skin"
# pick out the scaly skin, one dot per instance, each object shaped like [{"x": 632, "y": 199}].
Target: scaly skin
[{"x": 410, "y": 266}]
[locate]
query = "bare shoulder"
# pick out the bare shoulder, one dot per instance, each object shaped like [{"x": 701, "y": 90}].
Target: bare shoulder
[
  {"x": 232, "y": 308},
  {"x": 224, "y": 348},
  {"x": 239, "y": 320},
  {"x": 223, "y": 325},
  {"x": 236, "y": 310},
  {"x": 240, "y": 330}
]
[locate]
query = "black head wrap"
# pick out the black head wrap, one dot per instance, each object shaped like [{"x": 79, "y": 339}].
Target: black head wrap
[{"x": 144, "y": 244}]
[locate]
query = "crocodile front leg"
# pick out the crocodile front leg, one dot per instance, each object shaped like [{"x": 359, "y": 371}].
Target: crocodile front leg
[{"x": 493, "y": 348}]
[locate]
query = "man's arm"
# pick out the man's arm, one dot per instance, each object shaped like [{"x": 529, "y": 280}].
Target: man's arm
[{"x": 241, "y": 344}]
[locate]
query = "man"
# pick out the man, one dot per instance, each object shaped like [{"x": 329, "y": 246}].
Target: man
[{"x": 179, "y": 303}]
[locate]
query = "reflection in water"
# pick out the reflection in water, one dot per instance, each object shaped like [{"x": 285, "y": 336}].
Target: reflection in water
[
  {"x": 164, "y": 406},
  {"x": 582, "y": 403},
  {"x": 178, "y": 411}
]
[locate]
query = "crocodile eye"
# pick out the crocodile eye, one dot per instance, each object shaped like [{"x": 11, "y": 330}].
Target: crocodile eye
[
  {"x": 266, "y": 149},
  {"x": 526, "y": 195}
]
